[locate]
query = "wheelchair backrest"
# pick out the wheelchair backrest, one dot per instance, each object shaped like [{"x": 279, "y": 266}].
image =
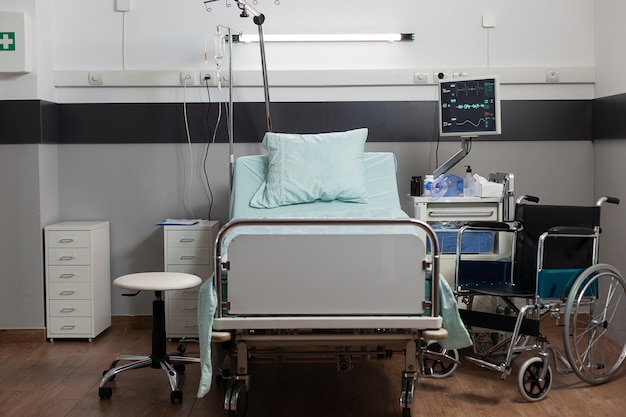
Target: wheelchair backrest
[{"x": 559, "y": 253}]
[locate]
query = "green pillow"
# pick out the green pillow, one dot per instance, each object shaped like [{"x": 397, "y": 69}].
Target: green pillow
[{"x": 307, "y": 168}]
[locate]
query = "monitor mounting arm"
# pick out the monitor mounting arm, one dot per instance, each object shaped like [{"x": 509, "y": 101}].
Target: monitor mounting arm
[{"x": 466, "y": 145}]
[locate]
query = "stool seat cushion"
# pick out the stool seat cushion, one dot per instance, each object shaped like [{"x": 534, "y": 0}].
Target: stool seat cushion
[{"x": 157, "y": 281}]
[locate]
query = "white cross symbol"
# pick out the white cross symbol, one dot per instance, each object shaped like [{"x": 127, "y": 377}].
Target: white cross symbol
[{"x": 5, "y": 41}]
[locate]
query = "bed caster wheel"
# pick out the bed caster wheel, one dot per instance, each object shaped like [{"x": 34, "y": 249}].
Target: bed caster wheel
[
  {"x": 406, "y": 396},
  {"x": 530, "y": 386},
  {"x": 220, "y": 380},
  {"x": 236, "y": 401},
  {"x": 438, "y": 361},
  {"x": 176, "y": 397},
  {"x": 181, "y": 348},
  {"x": 105, "y": 393},
  {"x": 179, "y": 368}
]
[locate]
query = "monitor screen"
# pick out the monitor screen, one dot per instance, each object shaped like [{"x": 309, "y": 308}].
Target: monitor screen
[{"x": 469, "y": 107}]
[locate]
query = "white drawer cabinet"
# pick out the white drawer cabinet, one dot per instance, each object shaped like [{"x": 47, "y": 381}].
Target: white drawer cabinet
[
  {"x": 78, "y": 279},
  {"x": 446, "y": 215},
  {"x": 187, "y": 249}
]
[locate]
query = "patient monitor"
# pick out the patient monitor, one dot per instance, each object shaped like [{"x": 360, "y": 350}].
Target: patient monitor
[{"x": 467, "y": 107}]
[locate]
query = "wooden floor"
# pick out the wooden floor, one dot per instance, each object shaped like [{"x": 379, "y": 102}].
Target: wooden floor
[{"x": 61, "y": 379}]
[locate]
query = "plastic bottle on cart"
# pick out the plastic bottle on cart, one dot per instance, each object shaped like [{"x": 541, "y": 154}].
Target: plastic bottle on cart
[
  {"x": 429, "y": 180},
  {"x": 468, "y": 182}
]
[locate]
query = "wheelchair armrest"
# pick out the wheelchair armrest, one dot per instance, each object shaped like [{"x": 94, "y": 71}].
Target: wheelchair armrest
[
  {"x": 486, "y": 225},
  {"x": 571, "y": 230}
]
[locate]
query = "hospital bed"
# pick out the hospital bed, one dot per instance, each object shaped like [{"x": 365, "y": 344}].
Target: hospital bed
[
  {"x": 553, "y": 272},
  {"x": 325, "y": 280}
]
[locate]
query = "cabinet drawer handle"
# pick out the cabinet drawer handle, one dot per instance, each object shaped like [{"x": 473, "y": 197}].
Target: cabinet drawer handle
[
  {"x": 67, "y": 275},
  {"x": 67, "y": 240},
  {"x": 190, "y": 326},
  {"x": 188, "y": 292},
  {"x": 68, "y": 309},
  {"x": 68, "y": 327},
  {"x": 461, "y": 213},
  {"x": 66, "y": 258},
  {"x": 188, "y": 308},
  {"x": 187, "y": 240},
  {"x": 68, "y": 292},
  {"x": 187, "y": 257}
]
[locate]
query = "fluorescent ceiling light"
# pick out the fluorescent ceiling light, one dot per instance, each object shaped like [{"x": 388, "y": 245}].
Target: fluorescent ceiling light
[{"x": 381, "y": 37}]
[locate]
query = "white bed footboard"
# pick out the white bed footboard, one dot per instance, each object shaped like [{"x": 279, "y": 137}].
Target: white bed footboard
[{"x": 368, "y": 267}]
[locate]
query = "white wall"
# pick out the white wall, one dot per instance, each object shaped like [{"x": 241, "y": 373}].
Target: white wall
[
  {"x": 609, "y": 34},
  {"x": 161, "y": 35},
  {"x": 609, "y": 155}
]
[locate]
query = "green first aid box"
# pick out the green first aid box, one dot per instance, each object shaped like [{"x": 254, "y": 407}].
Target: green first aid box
[{"x": 15, "y": 48}]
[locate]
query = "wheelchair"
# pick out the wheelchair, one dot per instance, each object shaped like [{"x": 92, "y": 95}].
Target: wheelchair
[{"x": 552, "y": 271}]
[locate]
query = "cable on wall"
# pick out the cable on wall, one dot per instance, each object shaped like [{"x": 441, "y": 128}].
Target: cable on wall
[
  {"x": 187, "y": 188},
  {"x": 210, "y": 141},
  {"x": 488, "y": 47},
  {"x": 124, "y": 39}
]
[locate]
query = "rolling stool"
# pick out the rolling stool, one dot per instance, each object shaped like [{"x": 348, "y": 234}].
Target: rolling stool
[{"x": 159, "y": 358}]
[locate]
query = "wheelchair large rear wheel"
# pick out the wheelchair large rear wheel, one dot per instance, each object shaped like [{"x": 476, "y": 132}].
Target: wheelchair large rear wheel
[{"x": 593, "y": 344}]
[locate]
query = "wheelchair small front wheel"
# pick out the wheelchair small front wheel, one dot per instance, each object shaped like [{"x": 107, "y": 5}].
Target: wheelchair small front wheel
[
  {"x": 441, "y": 362},
  {"x": 529, "y": 382},
  {"x": 593, "y": 344}
]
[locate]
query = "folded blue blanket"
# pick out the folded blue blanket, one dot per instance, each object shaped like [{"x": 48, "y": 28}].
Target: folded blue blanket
[{"x": 458, "y": 337}]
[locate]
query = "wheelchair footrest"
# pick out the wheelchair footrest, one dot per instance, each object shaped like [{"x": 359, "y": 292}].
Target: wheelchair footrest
[
  {"x": 501, "y": 368},
  {"x": 500, "y": 322}
]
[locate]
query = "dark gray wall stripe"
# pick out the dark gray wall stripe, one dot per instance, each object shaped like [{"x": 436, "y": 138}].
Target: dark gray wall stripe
[
  {"x": 34, "y": 121},
  {"x": 608, "y": 116}
]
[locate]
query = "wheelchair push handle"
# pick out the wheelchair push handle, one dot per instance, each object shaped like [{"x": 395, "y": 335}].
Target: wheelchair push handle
[
  {"x": 530, "y": 198},
  {"x": 608, "y": 199},
  {"x": 571, "y": 230}
]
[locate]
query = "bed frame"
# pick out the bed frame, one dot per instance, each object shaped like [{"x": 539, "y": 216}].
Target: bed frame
[{"x": 325, "y": 288}]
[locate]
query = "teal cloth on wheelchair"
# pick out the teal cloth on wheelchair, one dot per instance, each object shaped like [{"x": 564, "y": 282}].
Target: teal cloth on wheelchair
[{"x": 458, "y": 337}]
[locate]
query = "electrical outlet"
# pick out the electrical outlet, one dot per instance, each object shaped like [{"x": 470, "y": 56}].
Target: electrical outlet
[
  {"x": 187, "y": 78},
  {"x": 440, "y": 75},
  {"x": 420, "y": 77},
  {"x": 207, "y": 78},
  {"x": 95, "y": 78},
  {"x": 489, "y": 20},
  {"x": 552, "y": 76},
  {"x": 123, "y": 5}
]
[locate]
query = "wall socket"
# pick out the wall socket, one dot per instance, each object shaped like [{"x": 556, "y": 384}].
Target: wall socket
[
  {"x": 123, "y": 5},
  {"x": 440, "y": 75},
  {"x": 207, "y": 78},
  {"x": 420, "y": 77},
  {"x": 552, "y": 76},
  {"x": 187, "y": 78}
]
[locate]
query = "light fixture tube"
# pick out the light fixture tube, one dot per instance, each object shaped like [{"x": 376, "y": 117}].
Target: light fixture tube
[{"x": 380, "y": 37}]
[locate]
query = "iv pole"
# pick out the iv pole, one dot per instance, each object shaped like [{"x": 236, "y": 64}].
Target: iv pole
[{"x": 259, "y": 19}]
